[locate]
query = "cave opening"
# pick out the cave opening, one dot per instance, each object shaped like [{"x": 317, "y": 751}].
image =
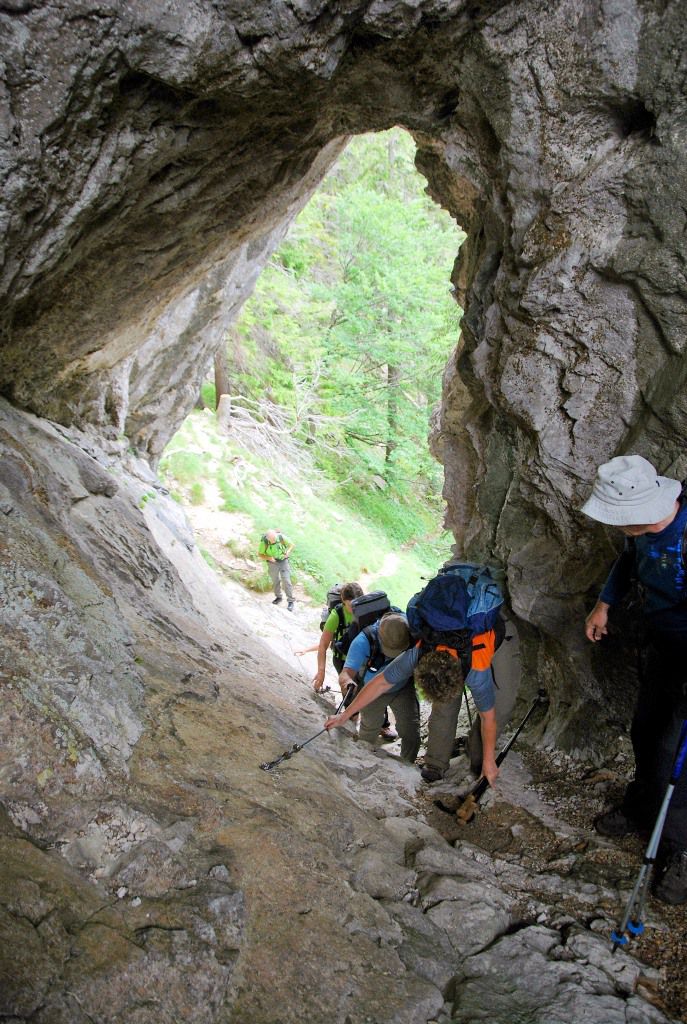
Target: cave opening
[{"x": 322, "y": 393}]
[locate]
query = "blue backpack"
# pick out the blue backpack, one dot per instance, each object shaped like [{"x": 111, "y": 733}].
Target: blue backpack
[{"x": 462, "y": 601}]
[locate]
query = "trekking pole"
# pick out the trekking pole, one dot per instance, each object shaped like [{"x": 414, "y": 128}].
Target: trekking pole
[
  {"x": 632, "y": 919},
  {"x": 467, "y": 706},
  {"x": 268, "y": 765},
  {"x": 468, "y": 808}
]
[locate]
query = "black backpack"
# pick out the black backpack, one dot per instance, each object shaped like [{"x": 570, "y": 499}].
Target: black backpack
[
  {"x": 333, "y": 602},
  {"x": 366, "y": 610}
]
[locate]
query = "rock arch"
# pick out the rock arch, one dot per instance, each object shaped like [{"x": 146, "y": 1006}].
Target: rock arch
[
  {"x": 152, "y": 153},
  {"x": 153, "y": 156}
]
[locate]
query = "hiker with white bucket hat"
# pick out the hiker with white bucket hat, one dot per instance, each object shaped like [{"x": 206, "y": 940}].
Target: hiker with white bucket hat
[{"x": 651, "y": 511}]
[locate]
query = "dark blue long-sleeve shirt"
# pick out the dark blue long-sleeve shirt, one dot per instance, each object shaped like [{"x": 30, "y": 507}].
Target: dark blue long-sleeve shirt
[{"x": 656, "y": 560}]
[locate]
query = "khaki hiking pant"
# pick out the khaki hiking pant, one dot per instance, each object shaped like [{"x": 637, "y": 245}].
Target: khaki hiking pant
[
  {"x": 280, "y": 572},
  {"x": 441, "y": 727},
  {"x": 406, "y": 709}
]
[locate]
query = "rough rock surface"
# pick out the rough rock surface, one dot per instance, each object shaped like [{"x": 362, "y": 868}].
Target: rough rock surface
[
  {"x": 151, "y": 871},
  {"x": 151, "y": 154}
]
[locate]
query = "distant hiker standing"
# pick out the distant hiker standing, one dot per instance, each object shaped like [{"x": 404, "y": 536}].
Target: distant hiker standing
[
  {"x": 651, "y": 511},
  {"x": 275, "y": 549}
]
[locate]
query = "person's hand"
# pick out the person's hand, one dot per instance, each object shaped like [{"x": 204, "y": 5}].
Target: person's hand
[
  {"x": 596, "y": 623},
  {"x": 336, "y": 721},
  {"x": 318, "y": 679},
  {"x": 490, "y": 771}
]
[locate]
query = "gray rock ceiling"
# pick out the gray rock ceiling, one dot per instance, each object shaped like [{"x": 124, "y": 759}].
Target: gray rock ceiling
[{"x": 153, "y": 153}]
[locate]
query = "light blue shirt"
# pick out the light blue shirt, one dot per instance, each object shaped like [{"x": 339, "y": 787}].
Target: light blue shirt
[{"x": 359, "y": 652}]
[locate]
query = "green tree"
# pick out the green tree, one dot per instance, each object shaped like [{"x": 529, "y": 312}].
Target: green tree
[{"x": 353, "y": 320}]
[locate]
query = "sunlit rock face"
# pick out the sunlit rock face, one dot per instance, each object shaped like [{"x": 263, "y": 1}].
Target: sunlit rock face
[{"x": 152, "y": 154}]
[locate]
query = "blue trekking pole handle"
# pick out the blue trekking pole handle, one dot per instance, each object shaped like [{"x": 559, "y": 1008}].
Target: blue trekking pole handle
[{"x": 681, "y": 755}]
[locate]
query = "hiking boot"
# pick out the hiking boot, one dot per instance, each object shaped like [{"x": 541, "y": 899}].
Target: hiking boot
[
  {"x": 431, "y": 774},
  {"x": 388, "y": 733},
  {"x": 672, "y": 888},
  {"x": 290, "y": 606},
  {"x": 615, "y": 823},
  {"x": 277, "y": 600}
]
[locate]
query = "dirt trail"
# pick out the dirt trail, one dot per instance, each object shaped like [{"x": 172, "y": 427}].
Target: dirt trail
[{"x": 284, "y": 631}]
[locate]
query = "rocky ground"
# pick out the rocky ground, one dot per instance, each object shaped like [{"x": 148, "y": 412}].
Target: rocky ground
[
  {"x": 540, "y": 818},
  {"x": 150, "y": 871}
]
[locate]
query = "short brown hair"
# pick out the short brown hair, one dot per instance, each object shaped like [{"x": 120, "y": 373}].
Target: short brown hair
[
  {"x": 439, "y": 675},
  {"x": 350, "y": 591}
]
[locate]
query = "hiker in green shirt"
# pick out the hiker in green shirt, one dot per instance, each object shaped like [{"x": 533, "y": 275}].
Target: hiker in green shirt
[
  {"x": 275, "y": 549},
  {"x": 335, "y": 626}
]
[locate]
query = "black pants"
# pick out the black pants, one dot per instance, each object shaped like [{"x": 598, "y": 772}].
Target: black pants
[{"x": 655, "y": 732}]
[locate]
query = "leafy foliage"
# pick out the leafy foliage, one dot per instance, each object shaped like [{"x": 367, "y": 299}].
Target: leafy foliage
[
  {"x": 340, "y": 350},
  {"x": 352, "y": 321}
]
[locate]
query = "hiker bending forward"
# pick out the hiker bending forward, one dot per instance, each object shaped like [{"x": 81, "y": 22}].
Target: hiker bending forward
[
  {"x": 503, "y": 663},
  {"x": 370, "y": 658},
  {"x": 441, "y": 677}
]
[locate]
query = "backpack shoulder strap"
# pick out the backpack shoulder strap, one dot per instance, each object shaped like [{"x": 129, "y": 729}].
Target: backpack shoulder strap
[{"x": 375, "y": 654}]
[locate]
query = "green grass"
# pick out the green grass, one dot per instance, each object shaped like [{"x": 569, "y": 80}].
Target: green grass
[
  {"x": 186, "y": 467},
  {"x": 339, "y": 533},
  {"x": 197, "y": 494}
]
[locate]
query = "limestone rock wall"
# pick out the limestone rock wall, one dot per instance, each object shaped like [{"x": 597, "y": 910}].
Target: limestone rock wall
[
  {"x": 571, "y": 149},
  {"x": 152, "y": 153}
]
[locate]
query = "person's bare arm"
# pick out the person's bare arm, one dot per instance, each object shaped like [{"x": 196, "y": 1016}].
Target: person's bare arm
[
  {"x": 325, "y": 641},
  {"x": 371, "y": 691},
  {"x": 490, "y": 769},
  {"x": 306, "y": 650}
]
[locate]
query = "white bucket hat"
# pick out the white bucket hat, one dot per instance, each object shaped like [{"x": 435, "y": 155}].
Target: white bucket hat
[{"x": 629, "y": 492}]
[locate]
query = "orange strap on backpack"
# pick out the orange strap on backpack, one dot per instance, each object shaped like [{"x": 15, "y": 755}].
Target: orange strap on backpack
[{"x": 483, "y": 647}]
